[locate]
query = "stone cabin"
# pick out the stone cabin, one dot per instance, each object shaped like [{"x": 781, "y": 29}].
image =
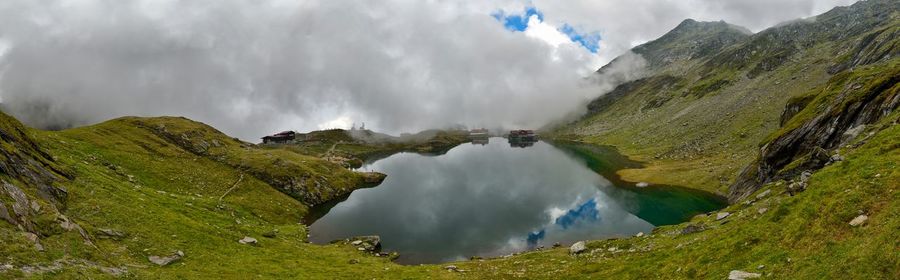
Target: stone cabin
[{"x": 280, "y": 138}]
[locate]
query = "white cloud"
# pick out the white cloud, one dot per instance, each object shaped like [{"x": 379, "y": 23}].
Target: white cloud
[
  {"x": 342, "y": 122},
  {"x": 545, "y": 32},
  {"x": 626, "y": 23},
  {"x": 254, "y": 67}
]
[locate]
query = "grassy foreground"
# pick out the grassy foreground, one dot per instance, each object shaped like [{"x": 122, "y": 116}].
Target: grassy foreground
[{"x": 163, "y": 198}]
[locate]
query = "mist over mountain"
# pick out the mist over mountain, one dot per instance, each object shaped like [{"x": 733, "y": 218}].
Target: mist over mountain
[{"x": 254, "y": 68}]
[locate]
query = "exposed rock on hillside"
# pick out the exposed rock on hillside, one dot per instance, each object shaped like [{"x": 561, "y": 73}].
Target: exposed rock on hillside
[
  {"x": 704, "y": 112},
  {"x": 30, "y": 179},
  {"x": 847, "y": 101}
]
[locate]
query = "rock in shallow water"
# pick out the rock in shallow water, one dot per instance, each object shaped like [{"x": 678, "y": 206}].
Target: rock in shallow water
[{"x": 367, "y": 243}]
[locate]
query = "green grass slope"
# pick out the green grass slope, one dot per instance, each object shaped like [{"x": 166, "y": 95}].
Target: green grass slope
[
  {"x": 161, "y": 198},
  {"x": 699, "y": 120},
  {"x": 135, "y": 192}
]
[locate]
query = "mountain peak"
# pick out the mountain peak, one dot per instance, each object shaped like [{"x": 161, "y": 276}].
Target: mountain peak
[{"x": 691, "y": 39}]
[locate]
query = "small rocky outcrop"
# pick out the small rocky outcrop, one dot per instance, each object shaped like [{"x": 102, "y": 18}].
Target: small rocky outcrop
[
  {"x": 453, "y": 268},
  {"x": 106, "y": 233},
  {"x": 166, "y": 260},
  {"x": 373, "y": 177},
  {"x": 692, "y": 229},
  {"x": 846, "y": 102},
  {"x": 371, "y": 243},
  {"x": 741, "y": 275},
  {"x": 577, "y": 248},
  {"x": 249, "y": 241},
  {"x": 722, "y": 215},
  {"x": 859, "y": 220}
]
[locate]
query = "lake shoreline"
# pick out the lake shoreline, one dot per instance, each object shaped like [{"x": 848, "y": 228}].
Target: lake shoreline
[{"x": 656, "y": 205}]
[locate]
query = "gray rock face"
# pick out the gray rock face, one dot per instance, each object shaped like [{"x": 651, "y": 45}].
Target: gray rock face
[
  {"x": 167, "y": 260},
  {"x": 21, "y": 206},
  {"x": 741, "y": 275},
  {"x": 577, "y": 248},
  {"x": 815, "y": 137},
  {"x": 852, "y": 133},
  {"x": 763, "y": 194},
  {"x": 859, "y": 220},
  {"x": 4, "y": 214}
]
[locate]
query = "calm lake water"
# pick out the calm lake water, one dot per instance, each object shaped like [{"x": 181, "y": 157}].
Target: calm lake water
[{"x": 495, "y": 199}]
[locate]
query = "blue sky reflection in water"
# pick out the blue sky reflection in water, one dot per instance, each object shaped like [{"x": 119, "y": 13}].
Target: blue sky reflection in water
[{"x": 491, "y": 200}]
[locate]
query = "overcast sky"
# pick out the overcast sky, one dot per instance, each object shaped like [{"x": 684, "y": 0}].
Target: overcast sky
[{"x": 254, "y": 67}]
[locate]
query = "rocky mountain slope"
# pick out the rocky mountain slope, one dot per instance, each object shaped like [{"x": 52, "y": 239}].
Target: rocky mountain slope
[{"x": 714, "y": 95}]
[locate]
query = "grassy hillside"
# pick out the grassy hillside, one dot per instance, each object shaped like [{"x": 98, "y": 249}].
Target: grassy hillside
[
  {"x": 137, "y": 192},
  {"x": 137, "y": 195},
  {"x": 699, "y": 119}
]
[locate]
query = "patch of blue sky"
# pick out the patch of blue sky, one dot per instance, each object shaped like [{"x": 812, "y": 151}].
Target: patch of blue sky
[
  {"x": 519, "y": 23},
  {"x": 590, "y": 41}
]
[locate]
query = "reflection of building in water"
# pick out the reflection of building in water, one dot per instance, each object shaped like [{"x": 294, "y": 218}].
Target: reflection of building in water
[
  {"x": 479, "y": 133},
  {"x": 480, "y": 141},
  {"x": 522, "y": 138},
  {"x": 520, "y": 143}
]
